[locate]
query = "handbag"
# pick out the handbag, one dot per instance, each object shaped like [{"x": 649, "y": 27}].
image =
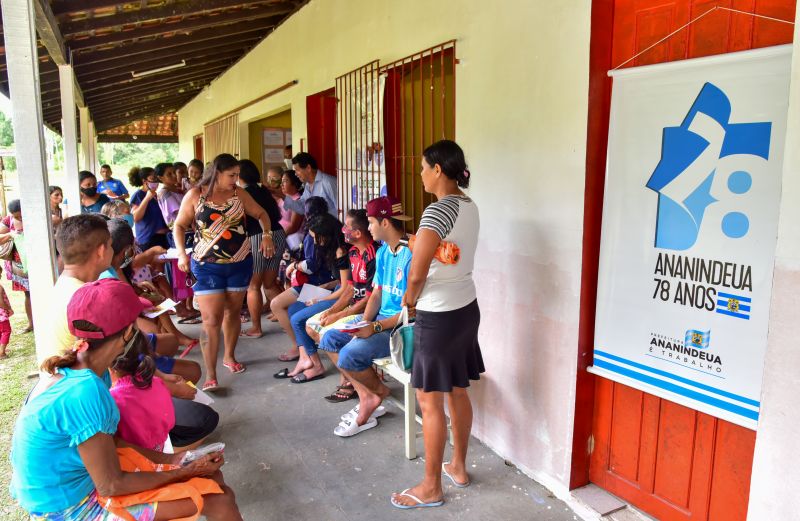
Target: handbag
[{"x": 401, "y": 342}]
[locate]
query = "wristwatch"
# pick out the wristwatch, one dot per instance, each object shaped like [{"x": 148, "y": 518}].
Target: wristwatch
[{"x": 377, "y": 327}]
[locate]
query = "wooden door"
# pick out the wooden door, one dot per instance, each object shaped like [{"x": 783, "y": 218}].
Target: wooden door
[
  {"x": 671, "y": 461},
  {"x": 321, "y": 125},
  {"x": 198, "y": 147}
]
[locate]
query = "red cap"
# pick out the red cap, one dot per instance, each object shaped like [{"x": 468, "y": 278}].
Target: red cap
[
  {"x": 385, "y": 207},
  {"x": 109, "y": 304}
]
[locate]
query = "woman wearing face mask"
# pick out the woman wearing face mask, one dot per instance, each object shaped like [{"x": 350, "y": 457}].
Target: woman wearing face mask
[
  {"x": 150, "y": 227},
  {"x": 91, "y": 201}
]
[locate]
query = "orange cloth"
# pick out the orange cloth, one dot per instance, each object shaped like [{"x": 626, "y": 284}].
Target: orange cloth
[
  {"x": 446, "y": 253},
  {"x": 131, "y": 461}
]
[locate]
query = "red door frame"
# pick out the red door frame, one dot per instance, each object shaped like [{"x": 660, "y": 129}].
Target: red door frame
[{"x": 602, "y": 23}]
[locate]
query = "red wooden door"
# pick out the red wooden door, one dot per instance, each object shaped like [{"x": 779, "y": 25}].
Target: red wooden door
[
  {"x": 671, "y": 461},
  {"x": 321, "y": 125}
]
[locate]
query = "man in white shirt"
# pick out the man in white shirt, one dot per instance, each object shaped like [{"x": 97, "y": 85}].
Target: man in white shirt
[{"x": 316, "y": 183}]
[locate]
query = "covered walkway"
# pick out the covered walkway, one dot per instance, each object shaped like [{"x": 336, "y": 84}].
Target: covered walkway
[{"x": 284, "y": 462}]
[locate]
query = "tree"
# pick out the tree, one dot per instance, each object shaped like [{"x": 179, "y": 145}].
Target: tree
[
  {"x": 7, "y": 139},
  {"x": 127, "y": 155}
]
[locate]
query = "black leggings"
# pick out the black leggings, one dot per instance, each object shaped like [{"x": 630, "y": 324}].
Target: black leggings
[{"x": 193, "y": 422}]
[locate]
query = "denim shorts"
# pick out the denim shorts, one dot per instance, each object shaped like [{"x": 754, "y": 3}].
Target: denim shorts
[{"x": 215, "y": 277}]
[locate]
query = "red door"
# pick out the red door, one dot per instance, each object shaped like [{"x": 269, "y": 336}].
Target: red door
[
  {"x": 668, "y": 460},
  {"x": 321, "y": 124}
]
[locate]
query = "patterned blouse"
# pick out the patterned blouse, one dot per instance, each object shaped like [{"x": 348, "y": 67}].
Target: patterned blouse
[{"x": 221, "y": 236}]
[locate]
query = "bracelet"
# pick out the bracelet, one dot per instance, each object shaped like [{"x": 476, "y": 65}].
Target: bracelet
[{"x": 268, "y": 234}]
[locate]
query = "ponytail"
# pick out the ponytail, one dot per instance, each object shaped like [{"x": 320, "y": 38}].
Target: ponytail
[{"x": 54, "y": 363}]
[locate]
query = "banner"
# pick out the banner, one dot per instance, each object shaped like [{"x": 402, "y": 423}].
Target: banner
[{"x": 690, "y": 222}]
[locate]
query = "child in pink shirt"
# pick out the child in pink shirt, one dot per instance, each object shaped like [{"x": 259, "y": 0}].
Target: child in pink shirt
[
  {"x": 146, "y": 414},
  {"x": 5, "y": 324}
]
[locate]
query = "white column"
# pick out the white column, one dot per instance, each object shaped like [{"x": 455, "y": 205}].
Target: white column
[
  {"x": 23, "y": 78},
  {"x": 69, "y": 131},
  {"x": 86, "y": 142},
  {"x": 773, "y": 487},
  {"x": 93, "y": 149}
]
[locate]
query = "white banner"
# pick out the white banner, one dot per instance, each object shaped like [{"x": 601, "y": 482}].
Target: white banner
[{"x": 690, "y": 221}]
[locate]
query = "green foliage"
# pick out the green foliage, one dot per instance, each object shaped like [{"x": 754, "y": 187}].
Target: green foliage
[
  {"x": 7, "y": 139},
  {"x": 124, "y": 156}
]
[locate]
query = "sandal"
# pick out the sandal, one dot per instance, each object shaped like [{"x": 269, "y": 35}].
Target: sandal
[
  {"x": 283, "y": 373},
  {"x": 419, "y": 502},
  {"x": 191, "y": 319},
  {"x": 341, "y": 394},
  {"x": 353, "y": 413},
  {"x": 456, "y": 483},
  {"x": 302, "y": 378},
  {"x": 210, "y": 385},
  {"x": 244, "y": 318},
  {"x": 235, "y": 367},
  {"x": 283, "y": 357},
  {"x": 244, "y": 334},
  {"x": 347, "y": 428},
  {"x": 192, "y": 345}
]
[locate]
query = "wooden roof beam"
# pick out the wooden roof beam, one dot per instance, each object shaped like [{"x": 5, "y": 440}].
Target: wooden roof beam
[
  {"x": 254, "y": 29},
  {"x": 147, "y": 98},
  {"x": 107, "y": 122},
  {"x": 62, "y": 7},
  {"x": 152, "y": 14},
  {"x": 184, "y": 73},
  {"x": 149, "y": 61},
  {"x": 50, "y": 35},
  {"x": 180, "y": 27},
  {"x": 122, "y": 109},
  {"x": 137, "y": 89}
]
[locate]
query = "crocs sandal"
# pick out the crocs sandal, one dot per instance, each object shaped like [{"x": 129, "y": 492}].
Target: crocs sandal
[
  {"x": 352, "y": 414},
  {"x": 235, "y": 367},
  {"x": 210, "y": 385},
  {"x": 456, "y": 483},
  {"x": 192, "y": 345},
  {"x": 419, "y": 504},
  {"x": 347, "y": 428}
]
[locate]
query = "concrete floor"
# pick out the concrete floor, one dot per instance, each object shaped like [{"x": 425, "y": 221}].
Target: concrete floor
[{"x": 284, "y": 462}]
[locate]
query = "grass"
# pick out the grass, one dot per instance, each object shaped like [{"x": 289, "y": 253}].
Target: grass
[{"x": 14, "y": 387}]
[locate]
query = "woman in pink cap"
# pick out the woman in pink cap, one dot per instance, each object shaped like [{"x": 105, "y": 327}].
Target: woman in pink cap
[{"x": 61, "y": 471}]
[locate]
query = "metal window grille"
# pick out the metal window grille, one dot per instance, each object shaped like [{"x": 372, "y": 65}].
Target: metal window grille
[
  {"x": 420, "y": 110},
  {"x": 387, "y": 115}
]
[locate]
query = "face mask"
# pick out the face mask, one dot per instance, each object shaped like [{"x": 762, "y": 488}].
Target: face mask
[
  {"x": 348, "y": 235},
  {"x": 128, "y": 219},
  {"x": 288, "y": 163},
  {"x": 89, "y": 192},
  {"x": 152, "y": 186}
]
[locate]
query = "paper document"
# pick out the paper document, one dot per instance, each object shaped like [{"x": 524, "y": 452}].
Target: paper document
[
  {"x": 172, "y": 254},
  {"x": 160, "y": 309},
  {"x": 312, "y": 292},
  {"x": 201, "y": 396},
  {"x": 353, "y": 327}
]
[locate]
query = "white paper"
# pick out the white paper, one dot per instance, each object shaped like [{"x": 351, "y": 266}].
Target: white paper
[
  {"x": 203, "y": 397},
  {"x": 161, "y": 308},
  {"x": 312, "y": 292},
  {"x": 172, "y": 254},
  {"x": 355, "y": 325}
]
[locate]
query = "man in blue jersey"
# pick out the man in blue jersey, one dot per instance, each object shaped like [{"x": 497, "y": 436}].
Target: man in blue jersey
[
  {"x": 357, "y": 350},
  {"x": 113, "y": 188}
]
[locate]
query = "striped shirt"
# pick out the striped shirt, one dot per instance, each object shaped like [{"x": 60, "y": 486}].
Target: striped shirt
[{"x": 454, "y": 219}]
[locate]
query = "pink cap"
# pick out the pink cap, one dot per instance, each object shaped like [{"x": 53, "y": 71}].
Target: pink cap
[
  {"x": 109, "y": 304},
  {"x": 385, "y": 207}
]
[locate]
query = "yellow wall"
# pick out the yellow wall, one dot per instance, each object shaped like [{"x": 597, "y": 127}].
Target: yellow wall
[
  {"x": 256, "y": 151},
  {"x": 521, "y": 105}
]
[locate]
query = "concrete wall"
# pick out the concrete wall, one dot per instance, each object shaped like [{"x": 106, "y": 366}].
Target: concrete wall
[
  {"x": 521, "y": 118},
  {"x": 773, "y": 488}
]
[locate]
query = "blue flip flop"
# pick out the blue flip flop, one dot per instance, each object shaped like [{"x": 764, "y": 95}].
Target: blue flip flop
[
  {"x": 456, "y": 483},
  {"x": 420, "y": 503}
]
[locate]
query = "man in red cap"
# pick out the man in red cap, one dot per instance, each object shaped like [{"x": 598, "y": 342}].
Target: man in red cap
[{"x": 356, "y": 352}]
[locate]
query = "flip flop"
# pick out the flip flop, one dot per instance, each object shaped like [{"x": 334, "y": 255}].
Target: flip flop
[
  {"x": 192, "y": 345},
  {"x": 235, "y": 367},
  {"x": 347, "y": 428},
  {"x": 302, "y": 378},
  {"x": 420, "y": 503},
  {"x": 283, "y": 357},
  {"x": 210, "y": 385},
  {"x": 191, "y": 319},
  {"x": 339, "y": 395},
  {"x": 352, "y": 414},
  {"x": 245, "y": 335},
  {"x": 456, "y": 483},
  {"x": 283, "y": 373}
]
